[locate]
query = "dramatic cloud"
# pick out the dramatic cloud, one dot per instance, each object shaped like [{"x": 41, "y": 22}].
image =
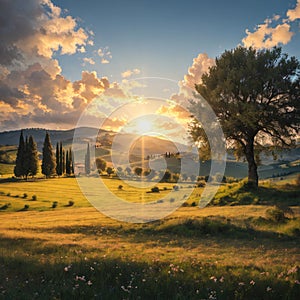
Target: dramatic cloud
[
  {"x": 201, "y": 65},
  {"x": 266, "y": 36},
  {"x": 32, "y": 89},
  {"x": 294, "y": 14},
  {"x": 129, "y": 73}
]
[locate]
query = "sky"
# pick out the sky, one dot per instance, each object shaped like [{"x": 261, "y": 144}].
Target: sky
[{"x": 61, "y": 58}]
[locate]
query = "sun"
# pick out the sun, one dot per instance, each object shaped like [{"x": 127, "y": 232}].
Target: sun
[{"x": 144, "y": 125}]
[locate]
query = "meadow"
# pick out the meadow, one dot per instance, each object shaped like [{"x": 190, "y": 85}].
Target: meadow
[{"x": 223, "y": 251}]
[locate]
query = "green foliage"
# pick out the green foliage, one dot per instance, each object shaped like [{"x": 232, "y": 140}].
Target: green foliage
[
  {"x": 138, "y": 171},
  {"x": 34, "y": 198},
  {"x": 87, "y": 160},
  {"x": 5, "y": 206},
  {"x": 109, "y": 171},
  {"x": 100, "y": 164},
  {"x": 155, "y": 189},
  {"x": 48, "y": 162},
  {"x": 254, "y": 93},
  {"x": 71, "y": 203},
  {"x": 54, "y": 204},
  {"x": 19, "y": 168},
  {"x": 275, "y": 214}
]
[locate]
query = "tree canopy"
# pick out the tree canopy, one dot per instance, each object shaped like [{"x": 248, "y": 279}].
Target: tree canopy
[{"x": 255, "y": 95}]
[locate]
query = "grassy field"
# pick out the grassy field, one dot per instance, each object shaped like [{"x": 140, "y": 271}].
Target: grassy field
[{"x": 74, "y": 252}]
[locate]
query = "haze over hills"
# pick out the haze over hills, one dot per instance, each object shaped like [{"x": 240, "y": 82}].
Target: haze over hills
[{"x": 139, "y": 147}]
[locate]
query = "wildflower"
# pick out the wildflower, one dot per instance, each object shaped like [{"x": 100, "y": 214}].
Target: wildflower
[
  {"x": 252, "y": 282},
  {"x": 269, "y": 289},
  {"x": 89, "y": 283},
  {"x": 297, "y": 281},
  {"x": 213, "y": 278},
  {"x": 292, "y": 270},
  {"x": 241, "y": 283},
  {"x": 221, "y": 279}
]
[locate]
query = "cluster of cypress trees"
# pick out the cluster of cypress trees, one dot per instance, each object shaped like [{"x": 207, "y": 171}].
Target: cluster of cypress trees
[
  {"x": 64, "y": 160},
  {"x": 27, "y": 161}
]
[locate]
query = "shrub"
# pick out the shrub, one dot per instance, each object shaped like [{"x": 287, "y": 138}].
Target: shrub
[
  {"x": 275, "y": 214},
  {"x": 71, "y": 203},
  {"x": 8, "y": 194},
  {"x": 193, "y": 204},
  {"x": 172, "y": 200},
  {"x": 25, "y": 195},
  {"x": 54, "y": 204},
  {"x": 34, "y": 198},
  {"x": 120, "y": 187},
  {"x": 26, "y": 207},
  {"x": 5, "y": 206},
  {"x": 160, "y": 201},
  {"x": 175, "y": 187},
  {"x": 155, "y": 189},
  {"x": 201, "y": 184}
]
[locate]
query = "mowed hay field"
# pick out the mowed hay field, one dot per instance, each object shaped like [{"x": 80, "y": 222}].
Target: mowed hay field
[{"x": 75, "y": 252}]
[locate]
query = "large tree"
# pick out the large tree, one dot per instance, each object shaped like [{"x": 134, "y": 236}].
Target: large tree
[
  {"x": 48, "y": 162},
  {"x": 255, "y": 95}
]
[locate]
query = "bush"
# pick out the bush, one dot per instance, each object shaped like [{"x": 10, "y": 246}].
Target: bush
[
  {"x": 160, "y": 201},
  {"x": 120, "y": 187},
  {"x": 54, "y": 204},
  {"x": 25, "y": 195},
  {"x": 275, "y": 214},
  {"x": 155, "y": 189},
  {"x": 201, "y": 184},
  {"x": 175, "y": 187},
  {"x": 5, "y": 206},
  {"x": 8, "y": 194},
  {"x": 71, "y": 203},
  {"x": 34, "y": 198},
  {"x": 172, "y": 200},
  {"x": 26, "y": 207},
  {"x": 193, "y": 204}
]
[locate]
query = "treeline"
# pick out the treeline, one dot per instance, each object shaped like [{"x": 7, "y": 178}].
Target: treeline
[{"x": 27, "y": 160}]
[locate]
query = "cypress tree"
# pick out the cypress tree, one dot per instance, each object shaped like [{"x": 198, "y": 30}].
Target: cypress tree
[
  {"x": 72, "y": 161},
  {"x": 63, "y": 163},
  {"x": 68, "y": 169},
  {"x": 88, "y": 160},
  {"x": 19, "y": 167},
  {"x": 58, "y": 158},
  {"x": 48, "y": 163},
  {"x": 33, "y": 159},
  {"x": 61, "y": 159},
  {"x": 26, "y": 158}
]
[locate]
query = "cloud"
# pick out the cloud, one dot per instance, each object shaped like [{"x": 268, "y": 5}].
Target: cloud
[
  {"x": 200, "y": 66},
  {"x": 265, "y": 36},
  {"x": 32, "y": 89},
  {"x": 129, "y": 73},
  {"x": 88, "y": 60},
  {"x": 105, "y": 55},
  {"x": 294, "y": 14},
  {"x": 268, "y": 34}
]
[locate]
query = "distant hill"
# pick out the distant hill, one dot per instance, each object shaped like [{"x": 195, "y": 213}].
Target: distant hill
[
  {"x": 66, "y": 136},
  {"x": 288, "y": 161}
]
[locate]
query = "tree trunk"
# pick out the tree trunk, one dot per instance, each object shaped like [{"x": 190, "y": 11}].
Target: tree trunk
[{"x": 252, "y": 167}]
